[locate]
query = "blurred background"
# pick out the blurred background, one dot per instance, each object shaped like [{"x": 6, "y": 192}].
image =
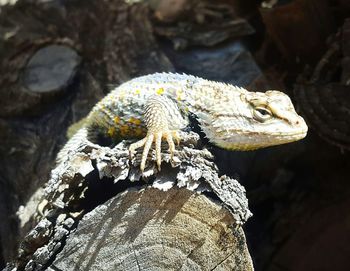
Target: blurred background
[{"x": 59, "y": 57}]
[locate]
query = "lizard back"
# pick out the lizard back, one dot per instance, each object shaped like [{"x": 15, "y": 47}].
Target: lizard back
[{"x": 120, "y": 114}]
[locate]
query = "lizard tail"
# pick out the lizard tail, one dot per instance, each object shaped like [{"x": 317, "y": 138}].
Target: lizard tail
[
  {"x": 75, "y": 127},
  {"x": 78, "y": 141}
]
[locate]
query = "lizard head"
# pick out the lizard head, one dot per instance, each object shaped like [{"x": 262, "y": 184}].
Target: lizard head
[{"x": 255, "y": 120}]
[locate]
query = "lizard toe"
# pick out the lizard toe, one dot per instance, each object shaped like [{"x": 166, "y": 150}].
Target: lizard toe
[
  {"x": 176, "y": 137},
  {"x": 146, "y": 148},
  {"x": 158, "y": 142},
  {"x": 169, "y": 139},
  {"x": 147, "y": 142},
  {"x": 136, "y": 145}
]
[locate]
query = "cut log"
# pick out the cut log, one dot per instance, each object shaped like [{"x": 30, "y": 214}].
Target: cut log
[
  {"x": 149, "y": 229},
  {"x": 97, "y": 212}
]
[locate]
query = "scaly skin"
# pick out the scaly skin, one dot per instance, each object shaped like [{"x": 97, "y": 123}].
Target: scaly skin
[{"x": 156, "y": 106}]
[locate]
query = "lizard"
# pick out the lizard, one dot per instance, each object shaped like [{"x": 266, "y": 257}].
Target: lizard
[{"x": 155, "y": 107}]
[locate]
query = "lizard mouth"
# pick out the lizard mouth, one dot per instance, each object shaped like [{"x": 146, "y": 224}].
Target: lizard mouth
[
  {"x": 298, "y": 135},
  {"x": 292, "y": 134},
  {"x": 260, "y": 140}
]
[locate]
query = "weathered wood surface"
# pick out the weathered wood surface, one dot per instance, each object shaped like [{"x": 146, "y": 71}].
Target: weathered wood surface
[
  {"x": 148, "y": 218},
  {"x": 149, "y": 229},
  {"x": 292, "y": 24},
  {"x": 323, "y": 95}
]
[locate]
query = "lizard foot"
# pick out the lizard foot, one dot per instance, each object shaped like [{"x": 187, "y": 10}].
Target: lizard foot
[{"x": 157, "y": 139}]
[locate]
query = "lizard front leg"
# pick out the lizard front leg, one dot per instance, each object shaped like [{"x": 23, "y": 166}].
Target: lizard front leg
[{"x": 163, "y": 119}]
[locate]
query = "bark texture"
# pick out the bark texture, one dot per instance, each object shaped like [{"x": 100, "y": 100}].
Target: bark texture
[{"x": 167, "y": 224}]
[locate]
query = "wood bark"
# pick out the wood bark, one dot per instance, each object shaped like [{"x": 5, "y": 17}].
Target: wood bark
[{"x": 157, "y": 226}]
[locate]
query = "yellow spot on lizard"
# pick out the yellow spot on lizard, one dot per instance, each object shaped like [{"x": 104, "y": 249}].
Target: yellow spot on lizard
[
  {"x": 137, "y": 91},
  {"x": 111, "y": 131},
  {"x": 139, "y": 132},
  {"x": 135, "y": 121},
  {"x": 124, "y": 129},
  {"x": 160, "y": 91},
  {"x": 116, "y": 120},
  {"x": 179, "y": 94}
]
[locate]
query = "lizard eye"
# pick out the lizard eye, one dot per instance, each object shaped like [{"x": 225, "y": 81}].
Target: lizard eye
[{"x": 262, "y": 114}]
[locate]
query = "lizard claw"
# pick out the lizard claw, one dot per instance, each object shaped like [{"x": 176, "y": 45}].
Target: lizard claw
[
  {"x": 146, "y": 143},
  {"x": 176, "y": 136}
]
